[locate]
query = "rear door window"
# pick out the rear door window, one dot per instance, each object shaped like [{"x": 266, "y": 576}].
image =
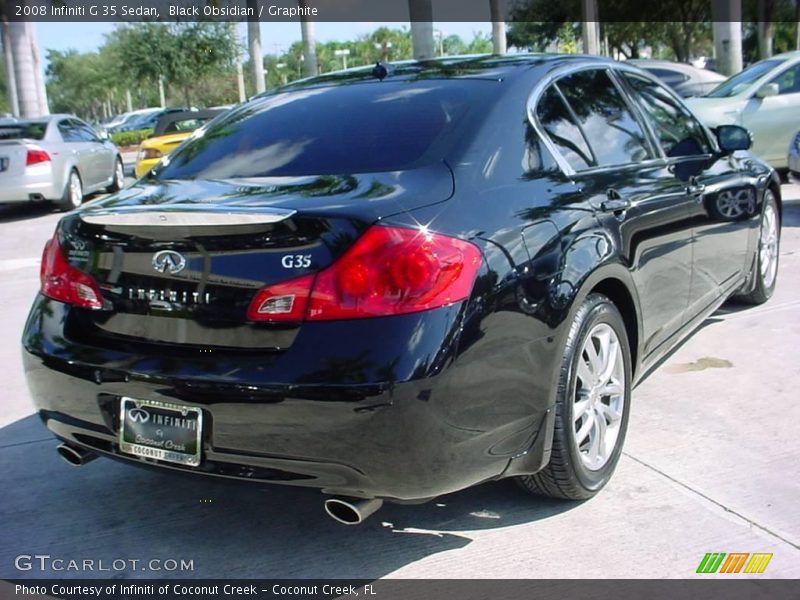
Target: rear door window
[{"x": 607, "y": 122}]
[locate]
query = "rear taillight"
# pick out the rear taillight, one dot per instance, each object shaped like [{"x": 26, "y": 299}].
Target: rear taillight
[
  {"x": 36, "y": 156},
  {"x": 388, "y": 271},
  {"x": 61, "y": 281}
]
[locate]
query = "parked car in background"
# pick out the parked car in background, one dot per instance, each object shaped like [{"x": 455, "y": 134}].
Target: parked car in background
[
  {"x": 392, "y": 283},
  {"x": 685, "y": 79},
  {"x": 765, "y": 99},
  {"x": 57, "y": 159},
  {"x": 149, "y": 120},
  {"x": 116, "y": 124},
  {"x": 794, "y": 157},
  {"x": 171, "y": 129}
]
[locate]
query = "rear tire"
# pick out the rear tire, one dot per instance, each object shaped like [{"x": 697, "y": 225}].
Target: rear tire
[
  {"x": 73, "y": 192},
  {"x": 767, "y": 259},
  {"x": 592, "y": 405},
  {"x": 119, "y": 178}
]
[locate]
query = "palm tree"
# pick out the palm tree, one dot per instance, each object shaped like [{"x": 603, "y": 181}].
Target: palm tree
[
  {"x": 421, "y": 15},
  {"x": 497, "y": 9},
  {"x": 310, "y": 66},
  {"x": 254, "y": 45}
]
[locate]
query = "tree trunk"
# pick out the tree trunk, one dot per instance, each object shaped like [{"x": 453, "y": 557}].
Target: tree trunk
[
  {"x": 254, "y": 45},
  {"x": 310, "y": 66},
  {"x": 497, "y": 9},
  {"x": 187, "y": 96},
  {"x": 11, "y": 78},
  {"x": 421, "y": 14},
  {"x": 590, "y": 27},
  {"x": 766, "y": 28}
]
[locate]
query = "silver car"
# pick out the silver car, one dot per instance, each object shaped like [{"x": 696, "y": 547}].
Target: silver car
[
  {"x": 794, "y": 157},
  {"x": 58, "y": 159}
]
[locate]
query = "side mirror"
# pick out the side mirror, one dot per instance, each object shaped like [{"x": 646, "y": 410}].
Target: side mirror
[
  {"x": 732, "y": 138},
  {"x": 767, "y": 90}
]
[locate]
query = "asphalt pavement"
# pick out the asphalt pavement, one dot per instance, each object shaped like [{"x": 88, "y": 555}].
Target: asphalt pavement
[{"x": 710, "y": 465}]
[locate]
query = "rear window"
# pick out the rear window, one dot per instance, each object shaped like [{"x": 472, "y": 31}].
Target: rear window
[
  {"x": 20, "y": 131},
  {"x": 354, "y": 128}
]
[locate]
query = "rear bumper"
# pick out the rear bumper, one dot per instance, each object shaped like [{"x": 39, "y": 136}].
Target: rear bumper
[
  {"x": 446, "y": 427},
  {"x": 36, "y": 183}
]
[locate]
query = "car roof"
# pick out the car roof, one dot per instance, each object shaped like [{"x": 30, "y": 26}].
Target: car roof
[{"x": 484, "y": 66}]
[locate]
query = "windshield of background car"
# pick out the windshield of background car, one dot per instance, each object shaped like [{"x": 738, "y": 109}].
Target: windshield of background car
[
  {"x": 352, "y": 128},
  {"x": 23, "y": 131},
  {"x": 737, "y": 83}
]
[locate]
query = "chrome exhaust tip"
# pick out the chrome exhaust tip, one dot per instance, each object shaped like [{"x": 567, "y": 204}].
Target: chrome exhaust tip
[
  {"x": 351, "y": 511},
  {"x": 74, "y": 455}
]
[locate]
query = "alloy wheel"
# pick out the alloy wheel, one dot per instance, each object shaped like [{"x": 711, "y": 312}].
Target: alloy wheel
[
  {"x": 75, "y": 190},
  {"x": 599, "y": 397},
  {"x": 768, "y": 245}
]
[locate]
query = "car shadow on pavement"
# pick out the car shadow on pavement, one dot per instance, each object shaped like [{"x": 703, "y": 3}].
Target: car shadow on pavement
[
  {"x": 10, "y": 213},
  {"x": 107, "y": 510}
]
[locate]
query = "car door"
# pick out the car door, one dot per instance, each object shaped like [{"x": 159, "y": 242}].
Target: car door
[
  {"x": 75, "y": 147},
  {"x": 722, "y": 201},
  {"x": 103, "y": 156},
  {"x": 612, "y": 159},
  {"x": 774, "y": 119},
  {"x": 97, "y": 156}
]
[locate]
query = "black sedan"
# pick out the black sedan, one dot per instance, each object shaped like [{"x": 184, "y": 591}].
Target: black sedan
[{"x": 396, "y": 282}]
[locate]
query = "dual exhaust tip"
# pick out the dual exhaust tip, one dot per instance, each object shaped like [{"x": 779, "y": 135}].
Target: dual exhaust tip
[
  {"x": 348, "y": 511},
  {"x": 351, "y": 511},
  {"x": 74, "y": 455}
]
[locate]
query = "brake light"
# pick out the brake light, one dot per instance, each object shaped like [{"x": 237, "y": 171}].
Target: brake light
[
  {"x": 388, "y": 271},
  {"x": 36, "y": 156},
  {"x": 61, "y": 281}
]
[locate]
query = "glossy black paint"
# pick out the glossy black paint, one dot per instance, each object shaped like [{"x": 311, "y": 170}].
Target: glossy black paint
[{"x": 405, "y": 407}]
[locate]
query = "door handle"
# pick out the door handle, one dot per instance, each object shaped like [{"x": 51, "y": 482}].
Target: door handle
[
  {"x": 614, "y": 202},
  {"x": 694, "y": 187}
]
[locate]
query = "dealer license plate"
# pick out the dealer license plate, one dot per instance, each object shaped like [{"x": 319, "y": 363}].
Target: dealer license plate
[{"x": 159, "y": 430}]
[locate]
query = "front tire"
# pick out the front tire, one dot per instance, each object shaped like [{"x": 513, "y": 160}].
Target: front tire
[
  {"x": 766, "y": 263},
  {"x": 73, "y": 193},
  {"x": 592, "y": 405}
]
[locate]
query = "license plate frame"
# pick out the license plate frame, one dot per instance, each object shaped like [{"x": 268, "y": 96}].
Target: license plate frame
[{"x": 161, "y": 431}]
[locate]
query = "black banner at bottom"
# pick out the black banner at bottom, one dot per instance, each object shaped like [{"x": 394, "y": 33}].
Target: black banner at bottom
[{"x": 399, "y": 589}]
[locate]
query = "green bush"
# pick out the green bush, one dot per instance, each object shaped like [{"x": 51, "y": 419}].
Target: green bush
[{"x": 131, "y": 138}]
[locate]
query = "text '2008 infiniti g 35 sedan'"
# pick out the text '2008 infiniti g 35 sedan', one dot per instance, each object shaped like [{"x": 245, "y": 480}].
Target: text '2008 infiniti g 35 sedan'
[{"x": 396, "y": 282}]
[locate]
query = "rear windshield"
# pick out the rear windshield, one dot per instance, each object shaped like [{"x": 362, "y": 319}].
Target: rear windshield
[
  {"x": 354, "y": 128},
  {"x": 20, "y": 131}
]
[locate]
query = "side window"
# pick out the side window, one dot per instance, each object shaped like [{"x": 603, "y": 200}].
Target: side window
[
  {"x": 562, "y": 130},
  {"x": 86, "y": 133},
  {"x": 678, "y": 132},
  {"x": 67, "y": 131},
  {"x": 615, "y": 135},
  {"x": 788, "y": 81}
]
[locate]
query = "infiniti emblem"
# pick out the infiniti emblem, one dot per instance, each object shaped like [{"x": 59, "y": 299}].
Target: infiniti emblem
[
  {"x": 139, "y": 415},
  {"x": 169, "y": 261}
]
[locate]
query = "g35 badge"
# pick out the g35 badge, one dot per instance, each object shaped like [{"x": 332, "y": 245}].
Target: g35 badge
[{"x": 296, "y": 261}]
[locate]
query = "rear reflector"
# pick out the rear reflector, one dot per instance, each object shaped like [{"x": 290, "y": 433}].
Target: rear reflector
[
  {"x": 388, "y": 271},
  {"x": 36, "y": 156},
  {"x": 61, "y": 281}
]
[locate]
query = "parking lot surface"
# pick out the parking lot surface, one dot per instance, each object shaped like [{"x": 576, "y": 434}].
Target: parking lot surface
[{"x": 710, "y": 465}]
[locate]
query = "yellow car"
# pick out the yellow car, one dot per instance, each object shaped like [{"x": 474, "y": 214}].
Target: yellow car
[{"x": 170, "y": 131}]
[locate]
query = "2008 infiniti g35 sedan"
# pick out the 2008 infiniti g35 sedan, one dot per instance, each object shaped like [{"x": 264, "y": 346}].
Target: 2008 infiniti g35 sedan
[{"x": 396, "y": 282}]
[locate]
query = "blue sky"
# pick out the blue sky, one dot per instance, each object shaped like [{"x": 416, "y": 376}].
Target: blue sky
[{"x": 274, "y": 36}]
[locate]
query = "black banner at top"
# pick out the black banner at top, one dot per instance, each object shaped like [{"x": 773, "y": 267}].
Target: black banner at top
[{"x": 391, "y": 10}]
